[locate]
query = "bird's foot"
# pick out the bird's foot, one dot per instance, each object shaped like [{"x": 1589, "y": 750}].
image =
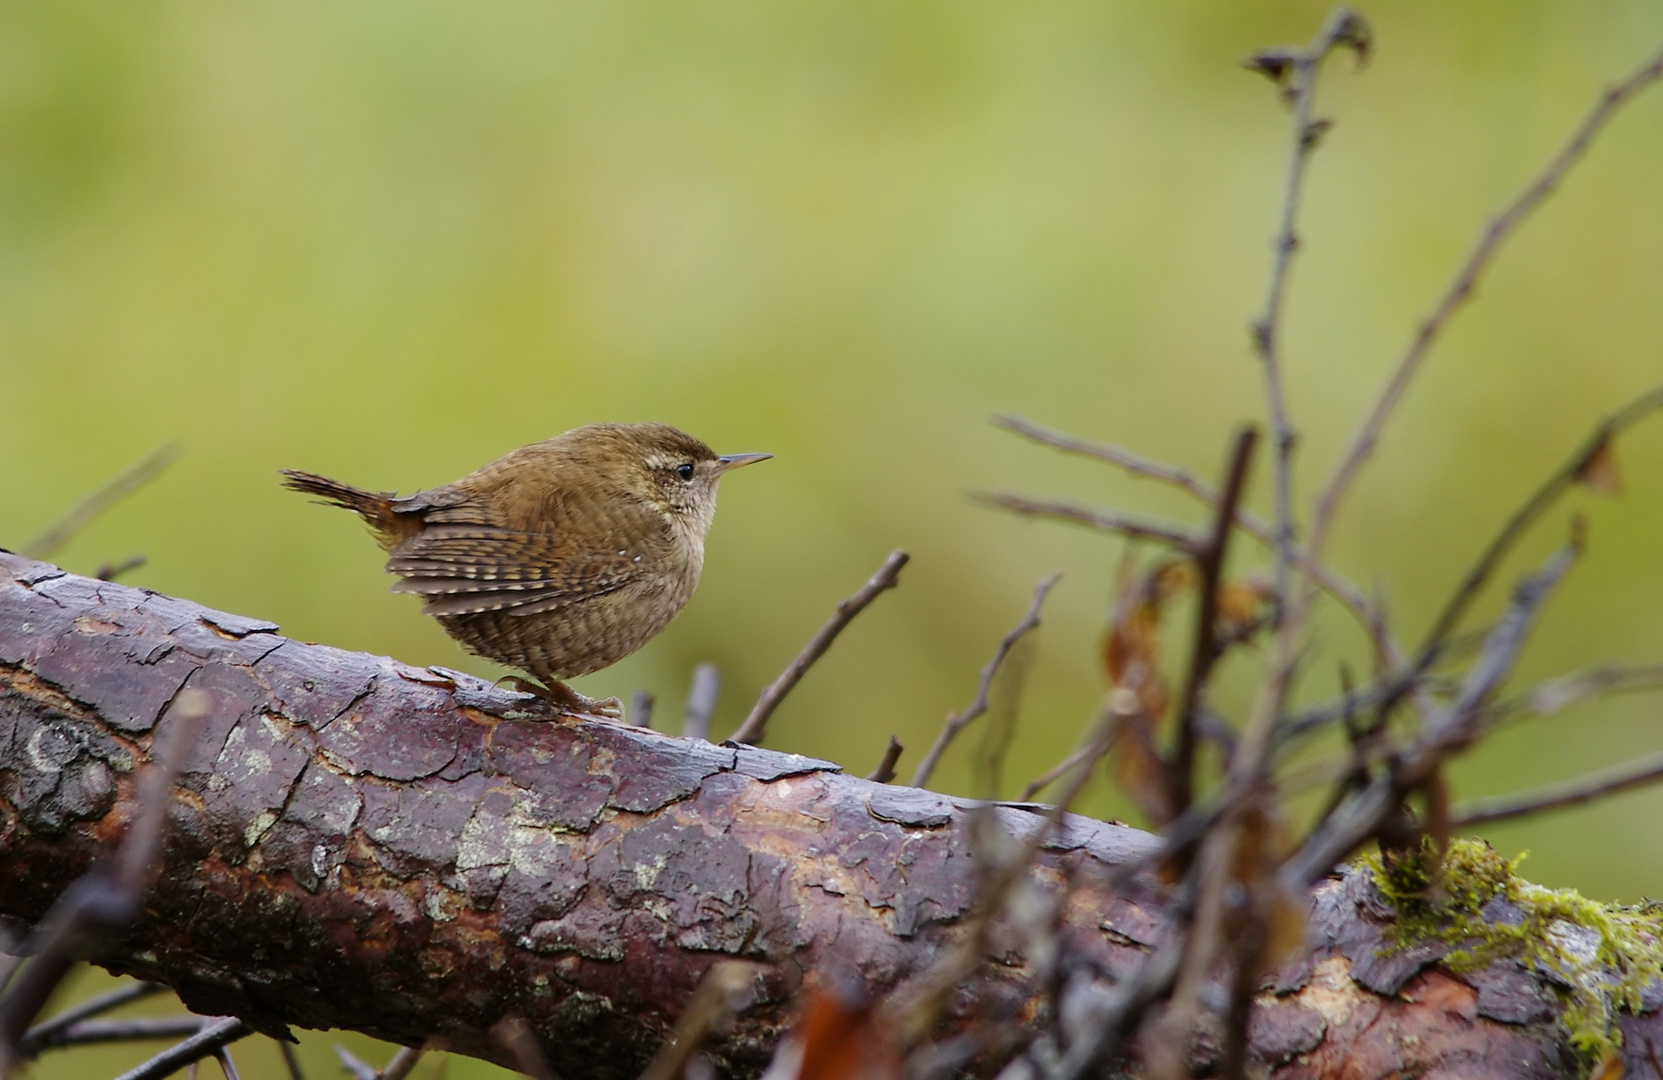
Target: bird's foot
[{"x": 567, "y": 700}]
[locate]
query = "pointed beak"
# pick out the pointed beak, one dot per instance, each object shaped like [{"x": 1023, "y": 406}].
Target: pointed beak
[{"x": 734, "y": 461}]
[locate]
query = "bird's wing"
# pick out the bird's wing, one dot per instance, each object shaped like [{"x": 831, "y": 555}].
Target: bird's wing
[{"x": 467, "y": 569}]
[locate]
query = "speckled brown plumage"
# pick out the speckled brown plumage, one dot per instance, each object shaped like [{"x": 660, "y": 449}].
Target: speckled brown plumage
[{"x": 561, "y": 557}]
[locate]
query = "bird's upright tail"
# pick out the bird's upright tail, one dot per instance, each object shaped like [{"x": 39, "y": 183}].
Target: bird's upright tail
[{"x": 375, "y": 508}]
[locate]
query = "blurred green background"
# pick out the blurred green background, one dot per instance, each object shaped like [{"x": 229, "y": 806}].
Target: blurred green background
[{"x": 391, "y": 241}]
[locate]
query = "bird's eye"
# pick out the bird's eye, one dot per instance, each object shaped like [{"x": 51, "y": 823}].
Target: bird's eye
[{"x": 685, "y": 471}]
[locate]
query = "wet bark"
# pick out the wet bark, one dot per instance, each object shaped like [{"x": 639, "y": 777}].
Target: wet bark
[{"x": 357, "y": 843}]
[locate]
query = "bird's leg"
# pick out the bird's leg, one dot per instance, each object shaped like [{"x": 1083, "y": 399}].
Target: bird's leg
[{"x": 566, "y": 699}]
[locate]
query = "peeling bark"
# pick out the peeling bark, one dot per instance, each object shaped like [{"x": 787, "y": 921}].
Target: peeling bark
[{"x": 357, "y": 843}]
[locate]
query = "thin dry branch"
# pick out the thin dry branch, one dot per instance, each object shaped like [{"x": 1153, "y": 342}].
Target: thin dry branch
[
  {"x": 1542, "y": 500},
  {"x": 1206, "y": 647},
  {"x": 1460, "y": 290},
  {"x": 1296, "y": 70},
  {"x": 1347, "y": 595},
  {"x": 1566, "y": 690},
  {"x": 1102, "y": 520},
  {"x": 1134, "y": 464},
  {"x": 887, "y": 577},
  {"x": 1573, "y": 793},
  {"x": 885, "y": 772},
  {"x": 133, "y": 1029},
  {"x": 291, "y": 1062},
  {"x": 218, "y": 1033},
  {"x": 83, "y": 513},
  {"x": 1446, "y": 734},
  {"x": 958, "y": 721},
  {"x": 45, "y": 1033},
  {"x": 701, "y": 701}
]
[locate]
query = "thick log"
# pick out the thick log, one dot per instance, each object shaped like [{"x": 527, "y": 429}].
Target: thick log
[{"x": 357, "y": 843}]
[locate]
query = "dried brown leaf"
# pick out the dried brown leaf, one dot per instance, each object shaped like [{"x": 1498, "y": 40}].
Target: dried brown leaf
[
  {"x": 1598, "y": 471},
  {"x": 838, "y": 1038}
]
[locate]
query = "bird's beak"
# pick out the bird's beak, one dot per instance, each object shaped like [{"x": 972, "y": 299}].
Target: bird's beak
[{"x": 734, "y": 461}]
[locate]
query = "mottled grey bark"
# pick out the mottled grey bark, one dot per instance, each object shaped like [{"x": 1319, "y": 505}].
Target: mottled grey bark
[{"x": 358, "y": 843}]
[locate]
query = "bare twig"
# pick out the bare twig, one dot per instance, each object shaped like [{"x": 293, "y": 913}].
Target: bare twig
[
  {"x": 291, "y": 1061},
  {"x": 1447, "y": 733},
  {"x": 751, "y": 731},
  {"x": 640, "y": 708},
  {"x": 1347, "y": 595},
  {"x": 1206, "y": 647},
  {"x": 355, "y": 1066},
  {"x": 701, "y": 701},
  {"x": 102, "y": 1031},
  {"x": 885, "y": 772},
  {"x": 1296, "y": 70},
  {"x": 401, "y": 1064},
  {"x": 226, "y": 1065},
  {"x": 720, "y": 995},
  {"x": 129, "y": 480},
  {"x": 1101, "y": 520},
  {"x": 1482, "y": 811},
  {"x": 43, "y": 1034},
  {"x": 1567, "y": 690},
  {"x": 111, "y": 571},
  {"x": 215, "y": 1034},
  {"x": 1461, "y": 288},
  {"x": 1562, "y": 479},
  {"x": 1135, "y": 464},
  {"x": 978, "y": 705},
  {"x": 1051, "y": 775}
]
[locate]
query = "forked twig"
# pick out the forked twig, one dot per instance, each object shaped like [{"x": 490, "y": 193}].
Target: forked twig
[
  {"x": 887, "y": 577},
  {"x": 43, "y": 1034},
  {"x": 1573, "y": 793},
  {"x": 215, "y": 1035},
  {"x": 958, "y": 721},
  {"x": 79, "y": 516}
]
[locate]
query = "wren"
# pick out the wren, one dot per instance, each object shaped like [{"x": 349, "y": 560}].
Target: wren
[{"x": 559, "y": 558}]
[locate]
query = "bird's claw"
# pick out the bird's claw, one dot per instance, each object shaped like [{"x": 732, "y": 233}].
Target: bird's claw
[{"x": 567, "y": 700}]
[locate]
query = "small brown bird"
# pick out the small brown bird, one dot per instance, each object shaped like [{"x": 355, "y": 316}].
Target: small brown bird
[{"x": 558, "y": 558}]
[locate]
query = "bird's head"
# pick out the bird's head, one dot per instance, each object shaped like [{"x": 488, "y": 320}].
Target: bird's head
[{"x": 661, "y": 465}]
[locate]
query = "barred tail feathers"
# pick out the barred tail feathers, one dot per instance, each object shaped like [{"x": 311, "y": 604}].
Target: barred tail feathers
[{"x": 375, "y": 508}]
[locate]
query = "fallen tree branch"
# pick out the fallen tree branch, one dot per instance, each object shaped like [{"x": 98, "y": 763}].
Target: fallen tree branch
[{"x": 356, "y": 843}]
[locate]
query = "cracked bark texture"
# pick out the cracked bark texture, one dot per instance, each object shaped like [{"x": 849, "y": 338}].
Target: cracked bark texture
[{"x": 357, "y": 843}]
